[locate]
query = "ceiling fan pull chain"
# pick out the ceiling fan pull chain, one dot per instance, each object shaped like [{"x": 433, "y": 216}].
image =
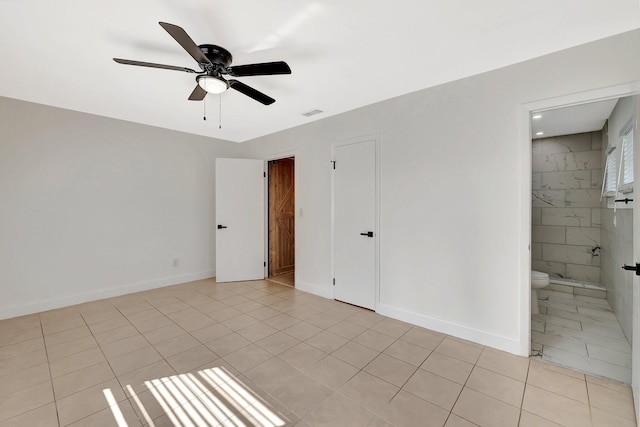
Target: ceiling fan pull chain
[
  {"x": 220, "y": 112},
  {"x": 204, "y": 109}
]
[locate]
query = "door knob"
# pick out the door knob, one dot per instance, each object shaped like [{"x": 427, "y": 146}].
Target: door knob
[
  {"x": 632, "y": 268},
  {"x": 368, "y": 234},
  {"x": 221, "y": 226}
]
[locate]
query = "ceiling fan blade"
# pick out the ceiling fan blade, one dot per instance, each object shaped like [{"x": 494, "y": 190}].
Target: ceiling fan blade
[
  {"x": 198, "y": 94},
  {"x": 152, "y": 65},
  {"x": 251, "y": 92},
  {"x": 263, "y": 69},
  {"x": 186, "y": 42}
]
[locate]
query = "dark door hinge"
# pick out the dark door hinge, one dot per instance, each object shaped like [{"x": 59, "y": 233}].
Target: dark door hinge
[
  {"x": 264, "y": 174},
  {"x": 334, "y": 281},
  {"x": 334, "y": 164},
  {"x": 265, "y": 263}
]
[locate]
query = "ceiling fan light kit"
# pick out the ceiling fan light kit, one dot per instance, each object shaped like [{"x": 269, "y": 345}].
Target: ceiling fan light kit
[
  {"x": 212, "y": 84},
  {"x": 214, "y": 62}
]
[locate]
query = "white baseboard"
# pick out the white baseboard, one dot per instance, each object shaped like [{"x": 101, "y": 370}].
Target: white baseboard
[
  {"x": 7, "y": 312},
  {"x": 322, "y": 291},
  {"x": 454, "y": 329},
  {"x": 451, "y": 328}
]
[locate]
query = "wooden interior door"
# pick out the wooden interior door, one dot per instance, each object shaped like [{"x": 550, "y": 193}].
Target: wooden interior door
[{"x": 281, "y": 216}]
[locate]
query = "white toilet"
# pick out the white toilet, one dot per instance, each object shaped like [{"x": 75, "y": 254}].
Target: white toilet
[{"x": 538, "y": 281}]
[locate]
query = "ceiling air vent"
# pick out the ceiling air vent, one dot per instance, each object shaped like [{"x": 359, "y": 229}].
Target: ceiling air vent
[{"x": 312, "y": 113}]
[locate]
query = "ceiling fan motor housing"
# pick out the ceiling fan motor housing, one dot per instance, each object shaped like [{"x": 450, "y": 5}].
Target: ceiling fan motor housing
[{"x": 216, "y": 54}]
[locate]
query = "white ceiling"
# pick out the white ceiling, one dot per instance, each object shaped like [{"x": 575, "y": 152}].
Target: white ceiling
[
  {"x": 569, "y": 120},
  {"x": 344, "y": 54}
]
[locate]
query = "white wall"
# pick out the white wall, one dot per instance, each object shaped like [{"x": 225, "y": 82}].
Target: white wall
[
  {"x": 455, "y": 190},
  {"x": 95, "y": 207}
]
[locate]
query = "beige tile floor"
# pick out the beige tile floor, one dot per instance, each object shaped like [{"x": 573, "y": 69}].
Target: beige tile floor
[{"x": 262, "y": 354}]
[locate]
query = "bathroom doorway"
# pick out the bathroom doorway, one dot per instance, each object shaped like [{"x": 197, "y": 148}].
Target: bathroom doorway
[
  {"x": 281, "y": 220},
  {"x": 580, "y": 240}
]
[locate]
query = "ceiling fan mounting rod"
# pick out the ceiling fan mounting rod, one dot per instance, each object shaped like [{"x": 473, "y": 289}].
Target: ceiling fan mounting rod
[{"x": 208, "y": 68}]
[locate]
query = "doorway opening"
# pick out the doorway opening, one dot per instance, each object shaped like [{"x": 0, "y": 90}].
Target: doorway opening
[
  {"x": 583, "y": 318},
  {"x": 281, "y": 221}
]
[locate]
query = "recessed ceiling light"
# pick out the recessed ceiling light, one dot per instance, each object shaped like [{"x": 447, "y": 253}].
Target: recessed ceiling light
[
  {"x": 537, "y": 116},
  {"x": 539, "y": 133}
]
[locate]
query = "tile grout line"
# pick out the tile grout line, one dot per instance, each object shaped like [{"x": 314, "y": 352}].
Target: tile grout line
[
  {"x": 586, "y": 385},
  {"x": 382, "y": 379},
  {"x": 108, "y": 363},
  {"x": 465, "y": 385},
  {"x": 53, "y": 390},
  {"x": 524, "y": 391}
]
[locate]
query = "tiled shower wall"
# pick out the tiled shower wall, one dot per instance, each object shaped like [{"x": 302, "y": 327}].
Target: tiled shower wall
[
  {"x": 617, "y": 249},
  {"x": 617, "y": 240},
  {"x": 567, "y": 179}
]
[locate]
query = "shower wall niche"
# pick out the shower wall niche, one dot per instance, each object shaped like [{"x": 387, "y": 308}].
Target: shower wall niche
[{"x": 566, "y": 212}]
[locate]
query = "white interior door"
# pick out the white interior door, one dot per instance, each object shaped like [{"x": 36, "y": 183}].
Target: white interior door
[
  {"x": 355, "y": 234},
  {"x": 239, "y": 220},
  {"x": 635, "y": 333}
]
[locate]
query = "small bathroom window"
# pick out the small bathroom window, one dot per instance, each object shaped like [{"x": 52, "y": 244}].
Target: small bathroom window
[
  {"x": 618, "y": 177},
  {"x": 625, "y": 185},
  {"x": 610, "y": 174}
]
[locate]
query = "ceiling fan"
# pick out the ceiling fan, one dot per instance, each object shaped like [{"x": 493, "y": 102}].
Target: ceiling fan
[{"x": 214, "y": 62}]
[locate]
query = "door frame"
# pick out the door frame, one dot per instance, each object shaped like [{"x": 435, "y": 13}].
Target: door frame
[
  {"x": 334, "y": 145},
  {"x": 635, "y": 322},
  {"x": 525, "y": 146},
  {"x": 279, "y": 156}
]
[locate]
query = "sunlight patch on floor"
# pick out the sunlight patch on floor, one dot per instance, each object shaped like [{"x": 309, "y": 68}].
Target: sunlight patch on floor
[{"x": 210, "y": 397}]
